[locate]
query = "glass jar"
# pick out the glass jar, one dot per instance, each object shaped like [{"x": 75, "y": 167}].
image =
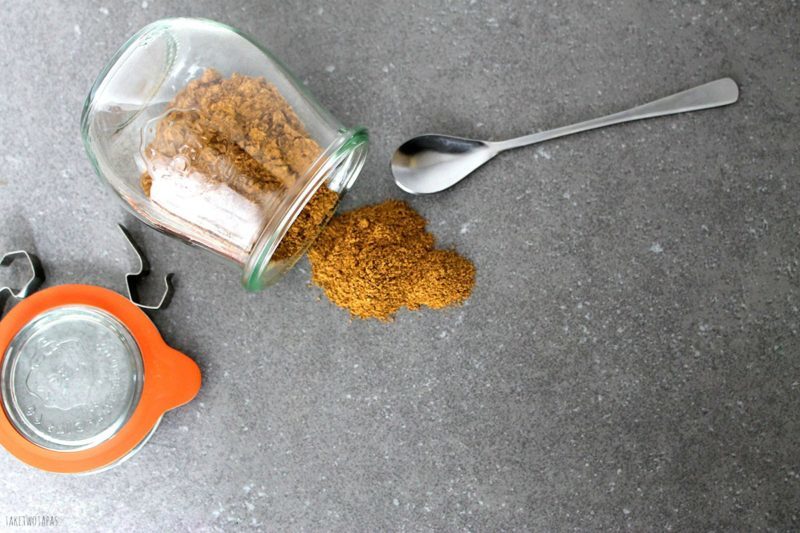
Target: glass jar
[{"x": 206, "y": 136}]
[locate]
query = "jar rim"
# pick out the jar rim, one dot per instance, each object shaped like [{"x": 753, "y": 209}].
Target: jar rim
[{"x": 339, "y": 165}]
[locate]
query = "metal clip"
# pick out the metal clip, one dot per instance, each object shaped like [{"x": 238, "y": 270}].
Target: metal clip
[
  {"x": 33, "y": 283},
  {"x": 132, "y": 278}
]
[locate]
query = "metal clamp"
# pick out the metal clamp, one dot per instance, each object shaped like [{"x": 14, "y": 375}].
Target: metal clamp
[
  {"x": 132, "y": 278},
  {"x": 34, "y": 282}
]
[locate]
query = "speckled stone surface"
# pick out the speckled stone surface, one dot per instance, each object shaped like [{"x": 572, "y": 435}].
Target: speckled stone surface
[{"x": 630, "y": 359}]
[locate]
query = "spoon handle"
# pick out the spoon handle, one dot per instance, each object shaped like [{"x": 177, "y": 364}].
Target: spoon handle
[{"x": 713, "y": 94}]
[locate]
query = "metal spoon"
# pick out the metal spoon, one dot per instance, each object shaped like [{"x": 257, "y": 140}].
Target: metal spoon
[{"x": 432, "y": 163}]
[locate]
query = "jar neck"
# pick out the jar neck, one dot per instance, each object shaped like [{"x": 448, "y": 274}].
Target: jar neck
[{"x": 337, "y": 168}]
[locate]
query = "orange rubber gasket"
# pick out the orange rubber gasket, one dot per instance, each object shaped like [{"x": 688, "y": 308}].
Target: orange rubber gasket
[{"x": 170, "y": 379}]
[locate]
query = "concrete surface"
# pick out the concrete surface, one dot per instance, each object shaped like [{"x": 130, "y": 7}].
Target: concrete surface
[{"x": 630, "y": 359}]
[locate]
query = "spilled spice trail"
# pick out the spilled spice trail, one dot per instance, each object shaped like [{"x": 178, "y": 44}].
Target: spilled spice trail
[
  {"x": 375, "y": 260},
  {"x": 307, "y": 224}
]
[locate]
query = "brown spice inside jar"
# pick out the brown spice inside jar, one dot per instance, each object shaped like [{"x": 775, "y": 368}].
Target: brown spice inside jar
[
  {"x": 375, "y": 260},
  {"x": 240, "y": 132}
]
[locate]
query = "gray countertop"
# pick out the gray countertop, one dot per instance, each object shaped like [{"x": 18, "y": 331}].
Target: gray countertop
[{"x": 630, "y": 357}]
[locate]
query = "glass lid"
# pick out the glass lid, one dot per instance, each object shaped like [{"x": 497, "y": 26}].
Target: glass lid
[{"x": 71, "y": 378}]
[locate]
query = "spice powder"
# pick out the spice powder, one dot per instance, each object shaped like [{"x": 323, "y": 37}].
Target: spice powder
[
  {"x": 375, "y": 260},
  {"x": 228, "y": 149},
  {"x": 224, "y": 155}
]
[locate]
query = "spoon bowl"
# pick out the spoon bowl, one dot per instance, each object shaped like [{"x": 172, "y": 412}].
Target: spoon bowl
[{"x": 432, "y": 163}]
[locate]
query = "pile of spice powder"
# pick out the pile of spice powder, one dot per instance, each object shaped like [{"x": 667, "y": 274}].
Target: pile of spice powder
[
  {"x": 375, "y": 260},
  {"x": 225, "y": 152}
]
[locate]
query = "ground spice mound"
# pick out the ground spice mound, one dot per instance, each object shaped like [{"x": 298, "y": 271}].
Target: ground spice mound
[
  {"x": 224, "y": 155},
  {"x": 375, "y": 260}
]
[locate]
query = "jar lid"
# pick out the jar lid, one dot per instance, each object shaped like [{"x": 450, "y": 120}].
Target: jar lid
[
  {"x": 85, "y": 377},
  {"x": 71, "y": 378}
]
